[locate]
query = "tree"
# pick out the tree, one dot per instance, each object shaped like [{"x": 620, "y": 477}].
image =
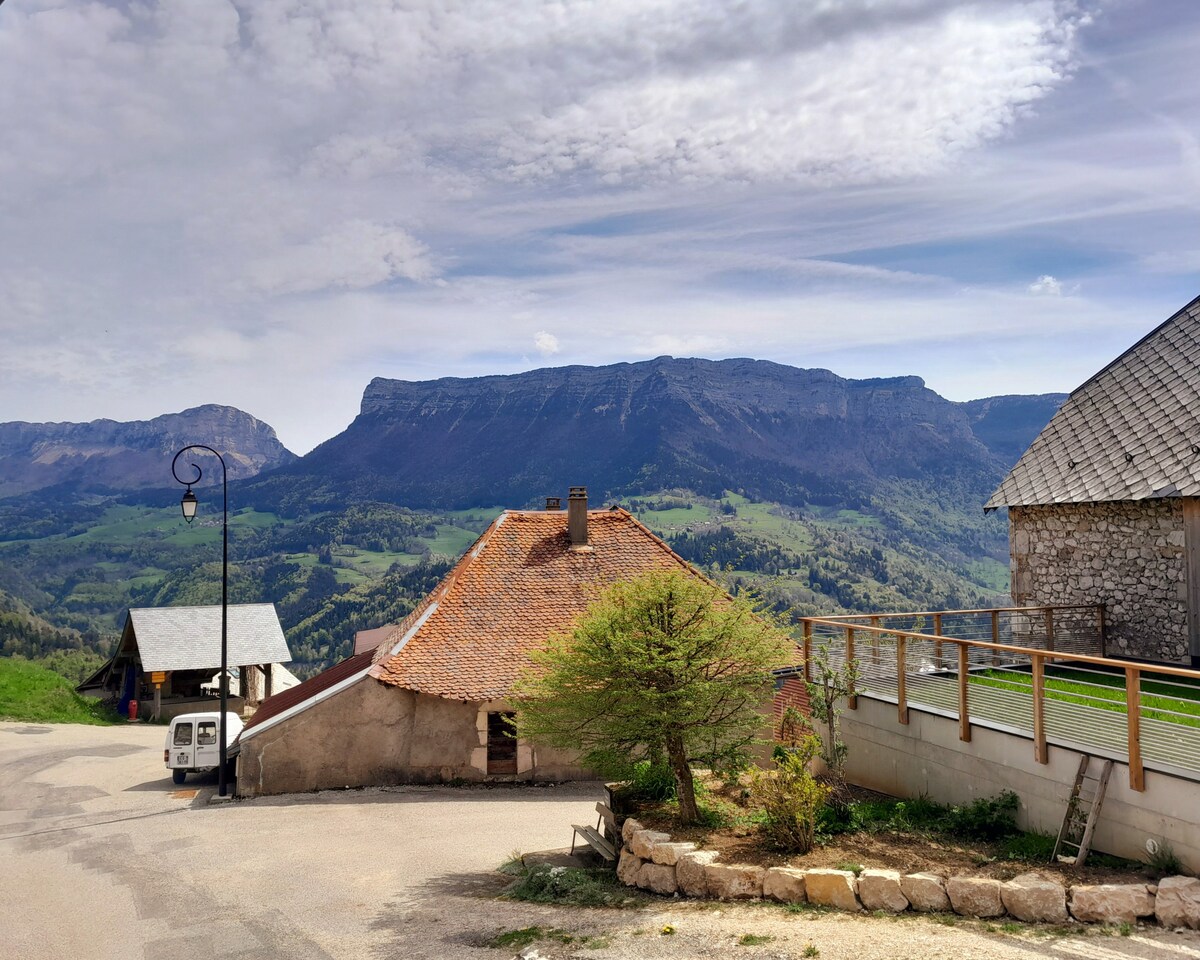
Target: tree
[
  {"x": 833, "y": 684},
  {"x": 663, "y": 663}
]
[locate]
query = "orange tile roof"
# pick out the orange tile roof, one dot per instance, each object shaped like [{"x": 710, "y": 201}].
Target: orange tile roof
[{"x": 518, "y": 584}]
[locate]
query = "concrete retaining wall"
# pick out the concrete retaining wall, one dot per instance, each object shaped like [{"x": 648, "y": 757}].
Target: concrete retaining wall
[{"x": 926, "y": 757}]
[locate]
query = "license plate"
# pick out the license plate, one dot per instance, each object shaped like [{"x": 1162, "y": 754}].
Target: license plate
[{"x": 182, "y": 758}]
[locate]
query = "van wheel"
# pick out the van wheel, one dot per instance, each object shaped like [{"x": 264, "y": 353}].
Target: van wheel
[{"x": 178, "y": 775}]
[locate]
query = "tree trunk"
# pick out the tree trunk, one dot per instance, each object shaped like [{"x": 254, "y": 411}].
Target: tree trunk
[{"x": 686, "y": 793}]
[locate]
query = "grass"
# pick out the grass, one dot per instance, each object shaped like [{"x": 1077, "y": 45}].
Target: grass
[
  {"x": 754, "y": 939},
  {"x": 33, "y": 694},
  {"x": 570, "y": 886},
  {"x": 518, "y": 939},
  {"x": 1172, "y": 702}
]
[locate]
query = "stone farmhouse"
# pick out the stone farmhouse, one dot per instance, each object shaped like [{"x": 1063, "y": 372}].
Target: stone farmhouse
[
  {"x": 1104, "y": 506},
  {"x": 428, "y": 703}
]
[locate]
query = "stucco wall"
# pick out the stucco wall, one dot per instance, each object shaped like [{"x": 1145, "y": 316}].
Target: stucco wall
[
  {"x": 926, "y": 757},
  {"x": 372, "y": 734},
  {"x": 1128, "y": 556}
]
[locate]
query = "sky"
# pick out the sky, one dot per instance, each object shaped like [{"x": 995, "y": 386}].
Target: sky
[{"x": 268, "y": 203}]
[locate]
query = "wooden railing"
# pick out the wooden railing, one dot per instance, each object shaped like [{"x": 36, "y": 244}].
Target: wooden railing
[{"x": 892, "y": 656}]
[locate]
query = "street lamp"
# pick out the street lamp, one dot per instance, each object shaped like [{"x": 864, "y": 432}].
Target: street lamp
[{"x": 188, "y": 505}]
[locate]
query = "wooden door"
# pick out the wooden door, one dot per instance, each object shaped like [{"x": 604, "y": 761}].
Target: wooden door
[{"x": 501, "y": 745}]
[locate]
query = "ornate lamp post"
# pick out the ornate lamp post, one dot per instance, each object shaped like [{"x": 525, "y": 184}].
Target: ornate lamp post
[{"x": 188, "y": 504}]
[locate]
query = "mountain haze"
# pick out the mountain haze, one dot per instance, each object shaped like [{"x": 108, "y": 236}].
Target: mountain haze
[
  {"x": 116, "y": 456},
  {"x": 775, "y": 432}
]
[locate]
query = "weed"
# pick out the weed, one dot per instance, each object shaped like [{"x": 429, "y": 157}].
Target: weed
[
  {"x": 1162, "y": 860},
  {"x": 811, "y": 951},
  {"x": 854, "y": 868},
  {"x": 1029, "y": 847},
  {"x": 516, "y": 939},
  {"x": 754, "y": 939},
  {"x": 573, "y": 886},
  {"x": 1010, "y": 927},
  {"x": 667, "y": 930},
  {"x": 514, "y": 866}
]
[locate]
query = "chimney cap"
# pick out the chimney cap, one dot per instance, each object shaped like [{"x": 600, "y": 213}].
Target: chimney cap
[
  {"x": 554, "y": 503},
  {"x": 577, "y": 493}
]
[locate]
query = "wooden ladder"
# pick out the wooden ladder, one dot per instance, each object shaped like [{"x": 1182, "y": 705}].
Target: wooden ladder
[{"x": 1082, "y": 813}]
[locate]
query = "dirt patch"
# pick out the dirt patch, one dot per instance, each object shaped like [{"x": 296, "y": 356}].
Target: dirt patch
[{"x": 741, "y": 842}]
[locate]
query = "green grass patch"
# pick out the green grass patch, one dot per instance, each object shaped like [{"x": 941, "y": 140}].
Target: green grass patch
[
  {"x": 754, "y": 939},
  {"x": 519, "y": 939},
  {"x": 32, "y": 693},
  {"x": 572, "y": 886},
  {"x": 1164, "y": 700}
]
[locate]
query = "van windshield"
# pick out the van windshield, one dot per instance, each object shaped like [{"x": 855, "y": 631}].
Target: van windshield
[{"x": 183, "y": 735}]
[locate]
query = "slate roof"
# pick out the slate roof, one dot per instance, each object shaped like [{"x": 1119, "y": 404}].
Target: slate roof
[
  {"x": 1131, "y": 432},
  {"x": 189, "y": 638},
  {"x": 515, "y": 587}
]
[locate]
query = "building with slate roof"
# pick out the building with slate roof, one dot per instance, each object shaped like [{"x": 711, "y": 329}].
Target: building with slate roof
[
  {"x": 1104, "y": 506},
  {"x": 428, "y": 703},
  {"x": 168, "y": 655}
]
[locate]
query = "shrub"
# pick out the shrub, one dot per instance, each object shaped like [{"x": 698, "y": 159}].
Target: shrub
[
  {"x": 790, "y": 800},
  {"x": 988, "y": 818},
  {"x": 571, "y": 885}
]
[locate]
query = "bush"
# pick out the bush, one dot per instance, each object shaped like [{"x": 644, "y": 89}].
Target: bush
[
  {"x": 790, "y": 800},
  {"x": 988, "y": 818},
  {"x": 571, "y": 885},
  {"x": 651, "y": 782}
]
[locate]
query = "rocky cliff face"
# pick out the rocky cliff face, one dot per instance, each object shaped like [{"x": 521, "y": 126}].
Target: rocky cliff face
[
  {"x": 775, "y": 431},
  {"x": 107, "y": 454}
]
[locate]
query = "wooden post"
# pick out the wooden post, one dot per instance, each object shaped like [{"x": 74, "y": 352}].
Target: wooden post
[
  {"x": 807, "y": 651},
  {"x": 996, "y": 637},
  {"x": 901, "y": 680},
  {"x": 268, "y": 687},
  {"x": 1049, "y": 628},
  {"x": 875, "y": 657},
  {"x": 852, "y": 697},
  {"x": 1133, "y": 715},
  {"x": 964, "y": 714},
  {"x": 1040, "y": 751},
  {"x": 1100, "y": 629},
  {"x": 937, "y": 646}
]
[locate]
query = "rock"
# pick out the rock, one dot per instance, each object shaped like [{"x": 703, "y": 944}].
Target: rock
[
  {"x": 690, "y": 872},
  {"x": 628, "y": 867},
  {"x": 925, "y": 892},
  {"x": 831, "y": 888},
  {"x": 734, "y": 881},
  {"x": 657, "y": 879},
  {"x": 975, "y": 896},
  {"x": 1177, "y": 902},
  {"x": 628, "y": 829},
  {"x": 669, "y": 852},
  {"x": 642, "y": 842},
  {"x": 785, "y": 884},
  {"x": 880, "y": 890},
  {"x": 1034, "y": 899},
  {"x": 1111, "y": 902}
]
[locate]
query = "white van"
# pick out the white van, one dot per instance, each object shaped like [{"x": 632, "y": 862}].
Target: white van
[{"x": 192, "y": 745}]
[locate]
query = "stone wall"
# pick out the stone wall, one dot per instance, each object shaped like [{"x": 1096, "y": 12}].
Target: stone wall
[
  {"x": 372, "y": 734},
  {"x": 654, "y": 862},
  {"x": 1128, "y": 556}
]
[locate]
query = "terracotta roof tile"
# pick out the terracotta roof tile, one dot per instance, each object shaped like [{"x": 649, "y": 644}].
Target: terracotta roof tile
[{"x": 518, "y": 585}]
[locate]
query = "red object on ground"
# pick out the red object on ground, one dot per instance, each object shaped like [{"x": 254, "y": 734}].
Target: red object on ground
[{"x": 133, "y": 705}]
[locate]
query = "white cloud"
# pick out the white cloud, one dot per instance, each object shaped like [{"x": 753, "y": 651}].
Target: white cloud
[
  {"x": 1046, "y": 286},
  {"x": 546, "y": 343}
]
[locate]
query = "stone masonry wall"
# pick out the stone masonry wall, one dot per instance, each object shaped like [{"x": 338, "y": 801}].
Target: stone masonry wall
[{"x": 1128, "y": 556}]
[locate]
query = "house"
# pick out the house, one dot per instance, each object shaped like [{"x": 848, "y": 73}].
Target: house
[
  {"x": 167, "y": 656},
  {"x": 428, "y": 704},
  {"x": 1104, "y": 506}
]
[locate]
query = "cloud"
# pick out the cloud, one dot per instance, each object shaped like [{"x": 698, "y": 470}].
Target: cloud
[
  {"x": 1046, "y": 286},
  {"x": 546, "y": 343}
]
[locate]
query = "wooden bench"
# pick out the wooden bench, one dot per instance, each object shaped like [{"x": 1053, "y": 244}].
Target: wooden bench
[{"x": 593, "y": 835}]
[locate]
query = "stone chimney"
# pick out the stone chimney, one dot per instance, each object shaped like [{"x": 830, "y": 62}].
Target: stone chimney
[
  {"x": 554, "y": 503},
  {"x": 577, "y": 523}
]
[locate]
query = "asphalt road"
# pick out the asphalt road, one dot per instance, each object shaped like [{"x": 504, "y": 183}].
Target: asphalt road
[{"x": 101, "y": 856}]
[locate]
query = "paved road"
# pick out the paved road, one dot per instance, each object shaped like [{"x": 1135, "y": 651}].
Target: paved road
[{"x": 101, "y": 856}]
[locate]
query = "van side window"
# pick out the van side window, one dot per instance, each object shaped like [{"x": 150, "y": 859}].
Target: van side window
[
  {"x": 206, "y": 733},
  {"x": 183, "y": 735}
]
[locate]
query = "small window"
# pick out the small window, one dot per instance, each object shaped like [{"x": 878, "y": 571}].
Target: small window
[
  {"x": 206, "y": 734},
  {"x": 183, "y": 735}
]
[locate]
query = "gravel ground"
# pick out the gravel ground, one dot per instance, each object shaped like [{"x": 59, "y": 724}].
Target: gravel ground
[{"x": 104, "y": 857}]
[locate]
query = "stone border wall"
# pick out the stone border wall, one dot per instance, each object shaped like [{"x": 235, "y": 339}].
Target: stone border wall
[{"x": 652, "y": 861}]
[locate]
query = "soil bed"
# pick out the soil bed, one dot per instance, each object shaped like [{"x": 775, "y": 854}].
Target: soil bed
[{"x": 739, "y": 841}]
